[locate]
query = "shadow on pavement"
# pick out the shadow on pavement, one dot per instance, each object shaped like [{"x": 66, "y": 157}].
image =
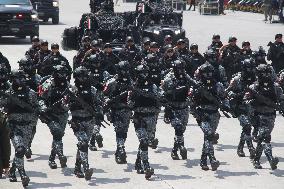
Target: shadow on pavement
[
  {"x": 99, "y": 181},
  {"x": 43, "y": 157},
  {"x": 278, "y": 145},
  {"x": 222, "y": 147},
  {"x": 223, "y": 174},
  {"x": 161, "y": 149},
  {"x": 131, "y": 167},
  {"x": 36, "y": 174},
  {"x": 278, "y": 173},
  {"x": 190, "y": 163},
  {"x": 48, "y": 185},
  {"x": 108, "y": 153},
  {"x": 173, "y": 177}
]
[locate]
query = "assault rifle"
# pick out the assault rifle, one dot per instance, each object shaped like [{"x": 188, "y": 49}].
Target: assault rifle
[{"x": 267, "y": 101}]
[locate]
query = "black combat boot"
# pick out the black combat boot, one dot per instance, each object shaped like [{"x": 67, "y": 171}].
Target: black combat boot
[
  {"x": 88, "y": 172},
  {"x": 120, "y": 155},
  {"x": 258, "y": 153},
  {"x": 149, "y": 171},
  {"x": 272, "y": 161},
  {"x": 92, "y": 145},
  {"x": 138, "y": 166},
  {"x": 62, "y": 158},
  {"x": 12, "y": 173},
  {"x": 203, "y": 161},
  {"x": 174, "y": 154},
  {"x": 214, "y": 163},
  {"x": 24, "y": 177},
  {"x": 182, "y": 151},
  {"x": 240, "y": 150},
  {"x": 28, "y": 153},
  {"x": 77, "y": 171},
  {"x": 153, "y": 143},
  {"x": 99, "y": 140},
  {"x": 51, "y": 161},
  {"x": 63, "y": 161},
  {"x": 251, "y": 149}
]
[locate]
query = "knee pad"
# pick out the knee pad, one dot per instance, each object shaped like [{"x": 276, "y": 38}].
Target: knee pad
[
  {"x": 247, "y": 129},
  {"x": 178, "y": 131},
  {"x": 210, "y": 137},
  {"x": 121, "y": 135},
  {"x": 83, "y": 146},
  {"x": 57, "y": 136},
  {"x": 267, "y": 138},
  {"x": 144, "y": 144},
  {"x": 20, "y": 152}
]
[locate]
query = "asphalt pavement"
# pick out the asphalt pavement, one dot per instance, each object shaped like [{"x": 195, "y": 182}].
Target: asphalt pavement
[{"x": 234, "y": 172}]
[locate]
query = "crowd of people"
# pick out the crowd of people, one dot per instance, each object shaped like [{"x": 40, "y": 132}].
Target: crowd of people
[{"x": 133, "y": 85}]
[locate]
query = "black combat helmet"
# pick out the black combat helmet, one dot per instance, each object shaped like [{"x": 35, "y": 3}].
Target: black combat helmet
[
  {"x": 206, "y": 72},
  {"x": 82, "y": 77},
  {"x": 193, "y": 46},
  {"x": 18, "y": 79},
  {"x": 264, "y": 74},
  {"x": 26, "y": 65},
  {"x": 60, "y": 74},
  {"x": 211, "y": 56}
]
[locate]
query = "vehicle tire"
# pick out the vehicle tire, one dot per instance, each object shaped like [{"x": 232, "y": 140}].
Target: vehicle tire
[{"x": 55, "y": 20}]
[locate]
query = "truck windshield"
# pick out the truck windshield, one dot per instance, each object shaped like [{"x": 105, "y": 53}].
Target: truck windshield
[{"x": 15, "y": 2}]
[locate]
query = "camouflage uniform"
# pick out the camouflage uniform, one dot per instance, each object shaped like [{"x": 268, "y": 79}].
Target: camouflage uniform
[
  {"x": 236, "y": 91},
  {"x": 83, "y": 121},
  {"x": 119, "y": 112},
  {"x": 176, "y": 92},
  {"x": 144, "y": 99},
  {"x": 262, "y": 99},
  {"x": 54, "y": 102},
  {"x": 20, "y": 121},
  {"x": 207, "y": 111}
]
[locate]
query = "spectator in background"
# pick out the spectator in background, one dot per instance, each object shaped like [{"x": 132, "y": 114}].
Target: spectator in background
[
  {"x": 267, "y": 9},
  {"x": 191, "y": 2},
  {"x": 221, "y": 7},
  {"x": 5, "y": 149}
]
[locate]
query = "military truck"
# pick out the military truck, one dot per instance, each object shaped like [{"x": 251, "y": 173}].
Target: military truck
[{"x": 47, "y": 9}]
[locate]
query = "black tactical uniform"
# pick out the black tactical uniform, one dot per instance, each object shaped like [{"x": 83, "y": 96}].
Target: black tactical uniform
[
  {"x": 176, "y": 86},
  {"x": 22, "y": 109},
  {"x": 40, "y": 55},
  {"x": 208, "y": 96},
  {"x": 54, "y": 103},
  {"x": 230, "y": 57},
  {"x": 276, "y": 53},
  {"x": 263, "y": 96},
  {"x": 194, "y": 60},
  {"x": 119, "y": 112},
  {"x": 86, "y": 110},
  {"x": 85, "y": 46},
  {"x": 32, "y": 81},
  {"x": 34, "y": 48},
  {"x": 144, "y": 99},
  {"x": 109, "y": 60},
  {"x": 54, "y": 59},
  {"x": 236, "y": 91},
  {"x": 98, "y": 77}
]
